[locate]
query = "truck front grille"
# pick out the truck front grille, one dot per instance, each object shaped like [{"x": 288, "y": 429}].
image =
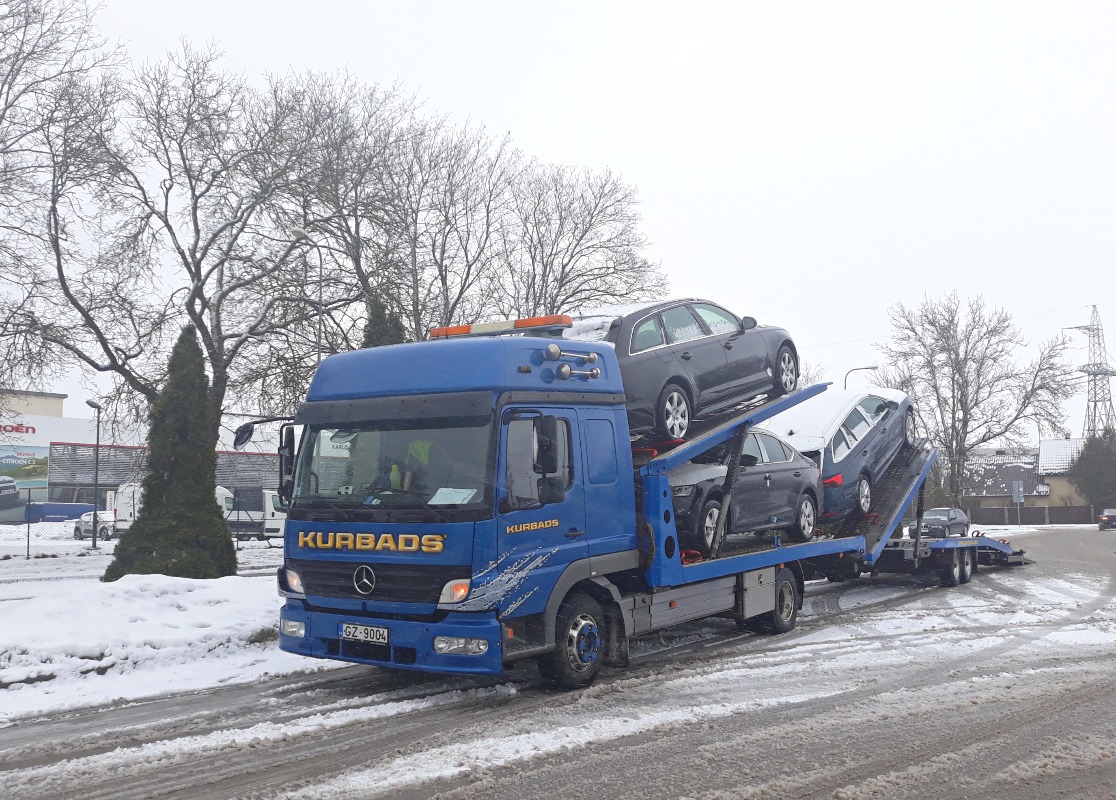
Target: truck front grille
[{"x": 396, "y": 583}]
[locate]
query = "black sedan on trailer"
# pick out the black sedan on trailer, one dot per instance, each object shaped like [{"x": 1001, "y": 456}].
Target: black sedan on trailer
[
  {"x": 776, "y": 488},
  {"x": 683, "y": 358}
]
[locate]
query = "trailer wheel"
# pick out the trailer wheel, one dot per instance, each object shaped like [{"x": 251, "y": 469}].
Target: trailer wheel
[
  {"x": 806, "y": 522},
  {"x": 966, "y": 568},
  {"x": 578, "y": 640},
  {"x": 951, "y": 575},
  {"x": 785, "y": 379},
  {"x": 864, "y": 495},
  {"x": 783, "y": 618},
  {"x": 672, "y": 415}
]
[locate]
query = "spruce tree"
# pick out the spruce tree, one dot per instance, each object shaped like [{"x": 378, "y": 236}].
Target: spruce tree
[
  {"x": 180, "y": 530},
  {"x": 382, "y": 326},
  {"x": 1093, "y": 472}
]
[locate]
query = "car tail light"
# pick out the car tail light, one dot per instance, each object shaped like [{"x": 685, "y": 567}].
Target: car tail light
[{"x": 835, "y": 480}]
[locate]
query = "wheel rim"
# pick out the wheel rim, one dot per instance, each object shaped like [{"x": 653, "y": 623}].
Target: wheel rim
[
  {"x": 806, "y": 518},
  {"x": 956, "y": 566},
  {"x": 709, "y": 524},
  {"x": 788, "y": 372},
  {"x": 864, "y": 495},
  {"x": 784, "y": 601},
  {"x": 677, "y": 414},
  {"x": 909, "y": 428},
  {"x": 583, "y": 643}
]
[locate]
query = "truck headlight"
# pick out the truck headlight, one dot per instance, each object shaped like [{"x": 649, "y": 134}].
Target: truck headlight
[
  {"x": 460, "y": 646},
  {"x": 455, "y": 591},
  {"x": 291, "y": 627},
  {"x": 294, "y": 582},
  {"x": 682, "y": 491}
]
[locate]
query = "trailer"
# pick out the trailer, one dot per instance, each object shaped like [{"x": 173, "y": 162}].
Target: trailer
[{"x": 460, "y": 505}]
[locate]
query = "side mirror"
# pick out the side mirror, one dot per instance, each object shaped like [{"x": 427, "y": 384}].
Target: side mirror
[
  {"x": 546, "y": 437},
  {"x": 892, "y": 405},
  {"x": 286, "y": 463},
  {"x": 243, "y": 435},
  {"x": 747, "y": 323},
  {"x": 747, "y": 460}
]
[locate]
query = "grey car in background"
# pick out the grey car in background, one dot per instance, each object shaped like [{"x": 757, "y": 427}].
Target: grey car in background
[
  {"x": 945, "y": 522},
  {"x": 684, "y": 358}
]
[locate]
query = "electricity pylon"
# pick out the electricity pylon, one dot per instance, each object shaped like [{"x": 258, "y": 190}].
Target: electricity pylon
[{"x": 1098, "y": 413}]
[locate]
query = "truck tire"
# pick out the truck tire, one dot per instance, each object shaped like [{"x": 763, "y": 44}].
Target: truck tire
[
  {"x": 673, "y": 412},
  {"x": 863, "y": 495},
  {"x": 951, "y": 574},
  {"x": 805, "y": 522},
  {"x": 785, "y": 379},
  {"x": 966, "y": 566},
  {"x": 783, "y": 618},
  {"x": 578, "y": 639}
]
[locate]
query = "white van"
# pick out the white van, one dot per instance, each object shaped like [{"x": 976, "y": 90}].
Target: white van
[
  {"x": 123, "y": 505},
  {"x": 254, "y": 513}
]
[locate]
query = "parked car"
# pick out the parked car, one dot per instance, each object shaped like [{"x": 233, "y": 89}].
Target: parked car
[
  {"x": 776, "y": 487},
  {"x": 1107, "y": 519},
  {"x": 683, "y": 358},
  {"x": 852, "y": 436},
  {"x": 9, "y": 491},
  {"x": 945, "y": 522},
  {"x": 83, "y": 526}
]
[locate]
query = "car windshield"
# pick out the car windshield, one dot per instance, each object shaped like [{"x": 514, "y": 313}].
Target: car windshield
[
  {"x": 936, "y": 513},
  {"x": 372, "y": 470}
]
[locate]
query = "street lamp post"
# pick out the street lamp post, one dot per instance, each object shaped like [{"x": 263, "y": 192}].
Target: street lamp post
[
  {"x": 857, "y": 369},
  {"x": 96, "y": 467},
  {"x": 301, "y": 233}
]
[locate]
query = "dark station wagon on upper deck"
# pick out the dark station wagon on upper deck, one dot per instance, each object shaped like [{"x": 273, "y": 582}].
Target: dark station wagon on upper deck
[{"x": 683, "y": 358}]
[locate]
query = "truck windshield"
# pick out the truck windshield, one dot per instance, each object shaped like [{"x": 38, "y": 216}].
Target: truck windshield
[{"x": 373, "y": 470}]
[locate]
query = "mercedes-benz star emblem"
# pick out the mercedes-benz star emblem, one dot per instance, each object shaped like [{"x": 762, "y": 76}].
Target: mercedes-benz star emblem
[{"x": 364, "y": 579}]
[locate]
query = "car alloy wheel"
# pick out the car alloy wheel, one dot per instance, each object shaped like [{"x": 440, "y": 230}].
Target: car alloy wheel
[
  {"x": 864, "y": 494},
  {"x": 674, "y": 412}
]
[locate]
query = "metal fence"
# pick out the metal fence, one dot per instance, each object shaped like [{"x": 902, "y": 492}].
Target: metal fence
[{"x": 1048, "y": 515}]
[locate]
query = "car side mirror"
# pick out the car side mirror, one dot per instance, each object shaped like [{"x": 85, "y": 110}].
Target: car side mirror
[
  {"x": 747, "y": 460},
  {"x": 747, "y": 323},
  {"x": 892, "y": 405}
]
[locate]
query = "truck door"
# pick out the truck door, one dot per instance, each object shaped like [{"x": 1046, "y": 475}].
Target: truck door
[{"x": 541, "y": 506}]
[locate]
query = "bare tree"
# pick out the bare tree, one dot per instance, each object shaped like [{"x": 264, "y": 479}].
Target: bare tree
[
  {"x": 49, "y": 54},
  {"x": 575, "y": 241},
  {"x": 959, "y": 362},
  {"x": 181, "y": 188}
]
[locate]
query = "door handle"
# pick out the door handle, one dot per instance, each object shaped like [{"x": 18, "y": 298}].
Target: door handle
[
  {"x": 865, "y": 453},
  {"x": 573, "y": 533},
  {"x": 686, "y": 355},
  {"x": 798, "y": 474},
  {"x": 767, "y": 477},
  {"x": 728, "y": 345}
]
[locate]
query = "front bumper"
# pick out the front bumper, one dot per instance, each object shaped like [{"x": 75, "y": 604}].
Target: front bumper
[{"x": 410, "y": 643}]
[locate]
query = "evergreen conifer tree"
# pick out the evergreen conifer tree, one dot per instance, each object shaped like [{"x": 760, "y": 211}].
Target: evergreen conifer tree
[
  {"x": 382, "y": 326},
  {"x": 180, "y": 530}
]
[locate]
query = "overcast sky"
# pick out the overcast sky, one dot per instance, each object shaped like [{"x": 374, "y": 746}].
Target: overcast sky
[{"x": 809, "y": 164}]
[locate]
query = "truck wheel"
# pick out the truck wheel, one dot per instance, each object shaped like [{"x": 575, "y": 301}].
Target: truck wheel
[
  {"x": 965, "y": 573},
  {"x": 805, "y": 524},
  {"x": 782, "y": 619},
  {"x": 672, "y": 416},
  {"x": 863, "y": 495},
  {"x": 951, "y": 575},
  {"x": 785, "y": 379},
  {"x": 578, "y": 638}
]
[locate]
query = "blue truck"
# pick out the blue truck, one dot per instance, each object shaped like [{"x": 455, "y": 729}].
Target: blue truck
[{"x": 460, "y": 504}]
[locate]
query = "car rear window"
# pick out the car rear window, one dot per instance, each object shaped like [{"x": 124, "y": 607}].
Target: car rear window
[{"x": 647, "y": 334}]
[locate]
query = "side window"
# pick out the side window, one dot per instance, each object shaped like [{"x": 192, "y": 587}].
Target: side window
[
  {"x": 647, "y": 334},
  {"x": 718, "y": 320},
  {"x": 276, "y": 503},
  {"x": 523, "y": 469},
  {"x": 752, "y": 448},
  {"x": 840, "y": 446},
  {"x": 774, "y": 448},
  {"x": 681, "y": 325},
  {"x": 856, "y": 424},
  {"x": 872, "y": 407}
]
